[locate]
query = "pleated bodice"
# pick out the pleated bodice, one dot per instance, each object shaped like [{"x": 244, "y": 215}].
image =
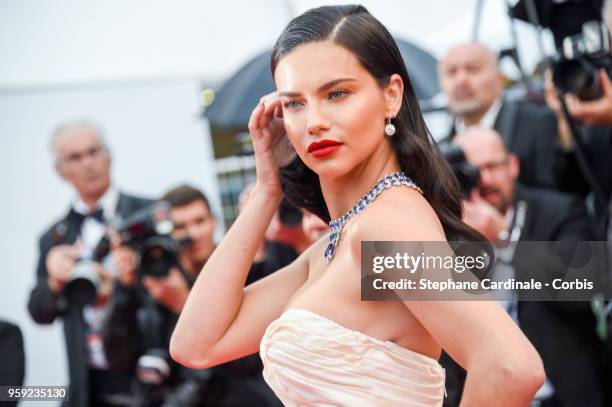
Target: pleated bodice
[{"x": 310, "y": 360}]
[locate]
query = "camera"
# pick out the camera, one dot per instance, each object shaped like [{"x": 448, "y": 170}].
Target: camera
[
  {"x": 154, "y": 367},
  {"x": 153, "y": 371},
  {"x": 82, "y": 287},
  {"x": 148, "y": 232},
  {"x": 581, "y": 38},
  {"x": 581, "y": 56},
  {"x": 468, "y": 175}
]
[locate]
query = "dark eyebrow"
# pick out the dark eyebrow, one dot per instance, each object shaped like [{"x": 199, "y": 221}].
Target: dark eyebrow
[{"x": 321, "y": 88}]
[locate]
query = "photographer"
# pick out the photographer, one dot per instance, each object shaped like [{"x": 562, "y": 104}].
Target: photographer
[
  {"x": 160, "y": 250},
  {"x": 474, "y": 88},
  {"x": 596, "y": 142},
  {"x": 580, "y": 76},
  {"x": 238, "y": 383},
  {"x": 194, "y": 224},
  {"x": 596, "y": 112},
  {"x": 505, "y": 211},
  {"x": 74, "y": 284},
  {"x": 165, "y": 280}
]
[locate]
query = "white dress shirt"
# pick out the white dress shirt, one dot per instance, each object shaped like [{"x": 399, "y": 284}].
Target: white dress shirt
[
  {"x": 487, "y": 121},
  {"x": 92, "y": 230}
]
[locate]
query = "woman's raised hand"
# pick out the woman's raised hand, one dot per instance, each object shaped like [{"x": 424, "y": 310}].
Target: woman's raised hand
[{"x": 270, "y": 143}]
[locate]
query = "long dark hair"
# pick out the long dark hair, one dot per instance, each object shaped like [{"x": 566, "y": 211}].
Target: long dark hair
[{"x": 354, "y": 28}]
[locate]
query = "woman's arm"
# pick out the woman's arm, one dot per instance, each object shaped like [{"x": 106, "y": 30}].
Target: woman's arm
[
  {"x": 222, "y": 320},
  {"x": 503, "y": 368}
]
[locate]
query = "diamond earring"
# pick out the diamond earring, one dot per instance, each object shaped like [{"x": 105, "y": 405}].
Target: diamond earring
[{"x": 389, "y": 127}]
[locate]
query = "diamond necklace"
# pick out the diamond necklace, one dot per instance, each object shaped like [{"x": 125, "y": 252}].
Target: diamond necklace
[{"x": 336, "y": 225}]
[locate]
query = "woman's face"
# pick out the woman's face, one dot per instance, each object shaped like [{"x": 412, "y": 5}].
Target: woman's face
[{"x": 334, "y": 110}]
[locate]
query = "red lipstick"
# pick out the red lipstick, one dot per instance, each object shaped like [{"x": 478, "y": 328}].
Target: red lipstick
[{"x": 323, "y": 148}]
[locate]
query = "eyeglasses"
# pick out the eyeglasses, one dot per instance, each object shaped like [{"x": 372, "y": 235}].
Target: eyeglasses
[
  {"x": 493, "y": 165},
  {"x": 73, "y": 159}
]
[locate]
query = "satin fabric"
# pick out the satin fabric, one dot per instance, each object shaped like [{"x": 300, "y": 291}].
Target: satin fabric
[{"x": 310, "y": 360}]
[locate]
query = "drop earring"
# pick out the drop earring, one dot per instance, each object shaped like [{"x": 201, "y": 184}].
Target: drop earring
[{"x": 389, "y": 127}]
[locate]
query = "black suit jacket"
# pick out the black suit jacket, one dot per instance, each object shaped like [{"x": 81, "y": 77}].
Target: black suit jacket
[
  {"x": 562, "y": 332},
  {"x": 45, "y": 307},
  {"x": 12, "y": 355},
  {"x": 529, "y": 131},
  {"x": 569, "y": 175}
]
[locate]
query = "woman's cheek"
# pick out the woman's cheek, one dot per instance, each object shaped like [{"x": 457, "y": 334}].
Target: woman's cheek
[
  {"x": 354, "y": 112},
  {"x": 295, "y": 131},
  {"x": 367, "y": 111}
]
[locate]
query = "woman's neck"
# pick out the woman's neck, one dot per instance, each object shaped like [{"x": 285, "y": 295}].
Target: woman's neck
[{"x": 342, "y": 193}]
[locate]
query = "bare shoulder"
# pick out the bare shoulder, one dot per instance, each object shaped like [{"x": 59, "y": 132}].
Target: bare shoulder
[{"x": 398, "y": 214}]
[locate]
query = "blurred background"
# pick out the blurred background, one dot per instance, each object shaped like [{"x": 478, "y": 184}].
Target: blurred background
[{"x": 152, "y": 74}]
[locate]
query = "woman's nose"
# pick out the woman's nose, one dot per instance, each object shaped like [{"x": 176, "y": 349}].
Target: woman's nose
[{"x": 317, "y": 120}]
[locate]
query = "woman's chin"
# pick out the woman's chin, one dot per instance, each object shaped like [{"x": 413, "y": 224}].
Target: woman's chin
[{"x": 328, "y": 170}]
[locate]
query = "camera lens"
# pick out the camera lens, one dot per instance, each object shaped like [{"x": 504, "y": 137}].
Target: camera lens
[
  {"x": 578, "y": 76},
  {"x": 158, "y": 255},
  {"x": 83, "y": 286}
]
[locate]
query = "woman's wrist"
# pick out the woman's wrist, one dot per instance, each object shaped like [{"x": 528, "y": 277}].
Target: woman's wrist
[{"x": 267, "y": 193}]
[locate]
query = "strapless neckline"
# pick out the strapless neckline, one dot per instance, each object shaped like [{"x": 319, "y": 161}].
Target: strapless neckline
[
  {"x": 312, "y": 360},
  {"x": 386, "y": 343}
]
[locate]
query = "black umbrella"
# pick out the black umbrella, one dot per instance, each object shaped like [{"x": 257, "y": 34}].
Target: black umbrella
[
  {"x": 238, "y": 96},
  {"x": 422, "y": 68}
]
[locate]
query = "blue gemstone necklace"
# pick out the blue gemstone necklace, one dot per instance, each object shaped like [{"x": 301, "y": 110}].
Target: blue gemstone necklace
[{"x": 397, "y": 178}]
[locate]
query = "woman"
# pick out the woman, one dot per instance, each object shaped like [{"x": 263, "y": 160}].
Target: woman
[{"x": 341, "y": 82}]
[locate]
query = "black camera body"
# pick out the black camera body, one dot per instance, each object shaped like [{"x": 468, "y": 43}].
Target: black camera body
[
  {"x": 468, "y": 175},
  {"x": 148, "y": 231},
  {"x": 581, "y": 38},
  {"x": 581, "y": 56}
]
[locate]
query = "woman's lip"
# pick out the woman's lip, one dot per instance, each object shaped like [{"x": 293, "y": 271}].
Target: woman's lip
[
  {"x": 325, "y": 151},
  {"x": 321, "y": 144}
]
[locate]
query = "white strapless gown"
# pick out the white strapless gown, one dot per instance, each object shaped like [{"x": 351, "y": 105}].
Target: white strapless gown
[{"x": 310, "y": 360}]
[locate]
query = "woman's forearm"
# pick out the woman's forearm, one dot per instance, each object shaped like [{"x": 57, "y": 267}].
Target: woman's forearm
[
  {"x": 499, "y": 384},
  {"x": 216, "y": 296}
]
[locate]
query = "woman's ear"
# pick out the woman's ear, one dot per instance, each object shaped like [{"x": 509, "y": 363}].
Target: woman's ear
[{"x": 393, "y": 93}]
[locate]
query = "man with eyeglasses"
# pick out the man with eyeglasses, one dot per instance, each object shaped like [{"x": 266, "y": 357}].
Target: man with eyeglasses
[
  {"x": 98, "y": 375},
  {"x": 506, "y": 212}
]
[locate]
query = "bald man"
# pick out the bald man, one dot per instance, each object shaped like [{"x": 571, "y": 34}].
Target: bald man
[
  {"x": 474, "y": 88},
  {"x": 504, "y": 210},
  {"x": 100, "y": 374}
]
